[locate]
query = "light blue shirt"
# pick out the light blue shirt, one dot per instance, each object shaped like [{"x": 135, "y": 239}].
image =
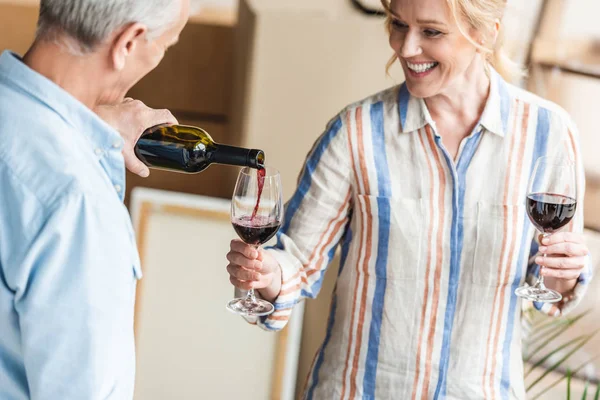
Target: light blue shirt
[{"x": 68, "y": 261}]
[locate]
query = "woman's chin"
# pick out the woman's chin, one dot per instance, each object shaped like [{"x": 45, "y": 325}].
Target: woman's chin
[{"x": 419, "y": 90}]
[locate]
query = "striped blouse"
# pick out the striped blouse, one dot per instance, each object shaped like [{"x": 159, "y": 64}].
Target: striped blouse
[{"x": 432, "y": 248}]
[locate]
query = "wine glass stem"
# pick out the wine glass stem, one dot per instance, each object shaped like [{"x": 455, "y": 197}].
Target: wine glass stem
[
  {"x": 540, "y": 281},
  {"x": 250, "y": 297}
]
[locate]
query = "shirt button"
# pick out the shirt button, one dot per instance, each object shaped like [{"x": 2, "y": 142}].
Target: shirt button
[
  {"x": 118, "y": 188},
  {"x": 98, "y": 151},
  {"x": 116, "y": 145}
]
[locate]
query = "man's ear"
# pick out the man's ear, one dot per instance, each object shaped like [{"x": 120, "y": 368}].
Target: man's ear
[{"x": 125, "y": 43}]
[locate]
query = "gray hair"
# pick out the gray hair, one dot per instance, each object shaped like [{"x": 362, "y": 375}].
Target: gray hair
[{"x": 90, "y": 22}]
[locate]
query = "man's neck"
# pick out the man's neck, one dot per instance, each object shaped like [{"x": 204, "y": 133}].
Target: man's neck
[{"x": 76, "y": 74}]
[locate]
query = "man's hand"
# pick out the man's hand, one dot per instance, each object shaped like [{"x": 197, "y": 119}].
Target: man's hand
[{"x": 131, "y": 118}]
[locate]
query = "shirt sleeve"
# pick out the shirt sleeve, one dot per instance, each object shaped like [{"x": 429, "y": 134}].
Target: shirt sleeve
[
  {"x": 74, "y": 296},
  {"x": 315, "y": 221},
  {"x": 569, "y": 146}
]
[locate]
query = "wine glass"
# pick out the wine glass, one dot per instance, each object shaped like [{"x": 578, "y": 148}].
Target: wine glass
[
  {"x": 256, "y": 215},
  {"x": 551, "y": 204}
]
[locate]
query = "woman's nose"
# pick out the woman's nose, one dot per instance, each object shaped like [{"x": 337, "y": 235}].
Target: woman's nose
[{"x": 411, "y": 46}]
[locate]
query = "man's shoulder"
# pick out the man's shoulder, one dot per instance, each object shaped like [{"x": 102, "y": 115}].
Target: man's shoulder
[{"x": 38, "y": 151}]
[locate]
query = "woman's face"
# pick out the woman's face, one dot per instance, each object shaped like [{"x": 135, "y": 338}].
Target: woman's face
[{"x": 435, "y": 56}]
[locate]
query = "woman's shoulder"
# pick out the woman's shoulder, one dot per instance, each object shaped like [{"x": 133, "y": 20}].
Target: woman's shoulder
[
  {"x": 549, "y": 108},
  {"x": 387, "y": 96}
]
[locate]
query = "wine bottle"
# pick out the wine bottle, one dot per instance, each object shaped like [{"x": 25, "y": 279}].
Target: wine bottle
[{"x": 189, "y": 149}]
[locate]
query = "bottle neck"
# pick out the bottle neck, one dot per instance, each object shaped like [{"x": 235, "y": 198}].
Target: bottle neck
[{"x": 231, "y": 155}]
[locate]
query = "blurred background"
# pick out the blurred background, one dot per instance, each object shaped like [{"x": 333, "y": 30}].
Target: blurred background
[{"x": 269, "y": 74}]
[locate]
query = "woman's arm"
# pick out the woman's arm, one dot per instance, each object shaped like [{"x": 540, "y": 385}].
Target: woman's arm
[{"x": 315, "y": 221}]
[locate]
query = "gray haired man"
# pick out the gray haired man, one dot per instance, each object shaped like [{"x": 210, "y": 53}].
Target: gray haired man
[{"x": 68, "y": 260}]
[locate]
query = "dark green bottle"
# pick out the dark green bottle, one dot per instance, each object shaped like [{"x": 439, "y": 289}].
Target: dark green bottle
[{"x": 189, "y": 149}]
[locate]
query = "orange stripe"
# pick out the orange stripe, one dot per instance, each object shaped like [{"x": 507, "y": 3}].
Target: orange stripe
[
  {"x": 523, "y": 138},
  {"x": 439, "y": 259},
  {"x": 427, "y": 271},
  {"x": 502, "y": 254},
  {"x": 363, "y": 306},
  {"x": 292, "y": 278},
  {"x": 350, "y": 338},
  {"x": 279, "y": 317},
  {"x": 291, "y": 289},
  {"x": 320, "y": 245}
]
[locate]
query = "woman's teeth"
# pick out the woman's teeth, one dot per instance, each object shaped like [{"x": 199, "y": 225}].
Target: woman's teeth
[{"x": 421, "y": 67}]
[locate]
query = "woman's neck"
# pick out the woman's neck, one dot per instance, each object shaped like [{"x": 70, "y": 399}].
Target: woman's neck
[{"x": 465, "y": 100}]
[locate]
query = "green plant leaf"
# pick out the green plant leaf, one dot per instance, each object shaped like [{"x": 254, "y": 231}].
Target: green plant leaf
[
  {"x": 597, "y": 396},
  {"x": 553, "y": 335},
  {"x": 547, "y": 356},
  {"x": 559, "y": 362},
  {"x": 568, "y": 384},
  {"x": 542, "y": 323},
  {"x": 559, "y": 380},
  {"x": 584, "y": 397},
  {"x": 539, "y": 332}
]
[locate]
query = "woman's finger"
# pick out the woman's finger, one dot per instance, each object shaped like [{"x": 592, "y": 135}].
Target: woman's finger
[
  {"x": 567, "y": 248},
  {"x": 560, "y": 273},
  {"x": 244, "y": 285},
  {"x": 561, "y": 262},
  {"x": 240, "y": 259},
  {"x": 240, "y": 247},
  {"x": 561, "y": 237},
  {"x": 242, "y": 274}
]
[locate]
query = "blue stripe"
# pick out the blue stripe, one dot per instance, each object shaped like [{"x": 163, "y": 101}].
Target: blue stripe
[
  {"x": 283, "y": 306},
  {"x": 305, "y": 182},
  {"x": 539, "y": 150},
  {"x": 315, "y": 288},
  {"x": 456, "y": 245},
  {"x": 403, "y": 98},
  {"x": 383, "y": 205},
  {"x": 505, "y": 100},
  {"x": 321, "y": 356}
]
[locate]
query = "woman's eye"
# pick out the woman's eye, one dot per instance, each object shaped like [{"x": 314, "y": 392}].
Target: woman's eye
[
  {"x": 432, "y": 33},
  {"x": 399, "y": 24}
]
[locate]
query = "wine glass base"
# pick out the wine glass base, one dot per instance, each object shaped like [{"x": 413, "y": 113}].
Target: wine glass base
[
  {"x": 249, "y": 308},
  {"x": 543, "y": 295}
]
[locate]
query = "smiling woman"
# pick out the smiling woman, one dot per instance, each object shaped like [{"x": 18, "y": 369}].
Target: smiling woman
[
  {"x": 479, "y": 22},
  {"x": 422, "y": 185}
]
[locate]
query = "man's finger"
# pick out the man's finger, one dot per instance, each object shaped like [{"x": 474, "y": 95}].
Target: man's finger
[
  {"x": 159, "y": 117},
  {"x": 133, "y": 164}
]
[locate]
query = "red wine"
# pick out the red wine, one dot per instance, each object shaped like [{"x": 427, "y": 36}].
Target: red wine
[
  {"x": 549, "y": 212},
  {"x": 260, "y": 177},
  {"x": 189, "y": 149},
  {"x": 255, "y": 230}
]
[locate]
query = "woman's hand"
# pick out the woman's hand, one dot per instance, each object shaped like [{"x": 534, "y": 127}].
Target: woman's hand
[
  {"x": 252, "y": 268},
  {"x": 565, "y": 259}
]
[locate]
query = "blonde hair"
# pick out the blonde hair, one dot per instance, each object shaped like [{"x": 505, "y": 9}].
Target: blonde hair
[{"x": 481, "y": 15}]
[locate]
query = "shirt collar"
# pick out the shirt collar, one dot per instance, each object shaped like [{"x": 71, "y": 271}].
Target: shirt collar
[
  {"x": 414, "y": 114},
  {"x": 101, "y": 136}
]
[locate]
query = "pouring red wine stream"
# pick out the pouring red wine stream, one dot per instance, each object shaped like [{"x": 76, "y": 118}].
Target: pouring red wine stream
[{"x": 260, "y": 176}]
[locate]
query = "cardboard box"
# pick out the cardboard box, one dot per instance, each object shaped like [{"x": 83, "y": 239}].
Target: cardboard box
[{"x": 297, "y": 65}]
